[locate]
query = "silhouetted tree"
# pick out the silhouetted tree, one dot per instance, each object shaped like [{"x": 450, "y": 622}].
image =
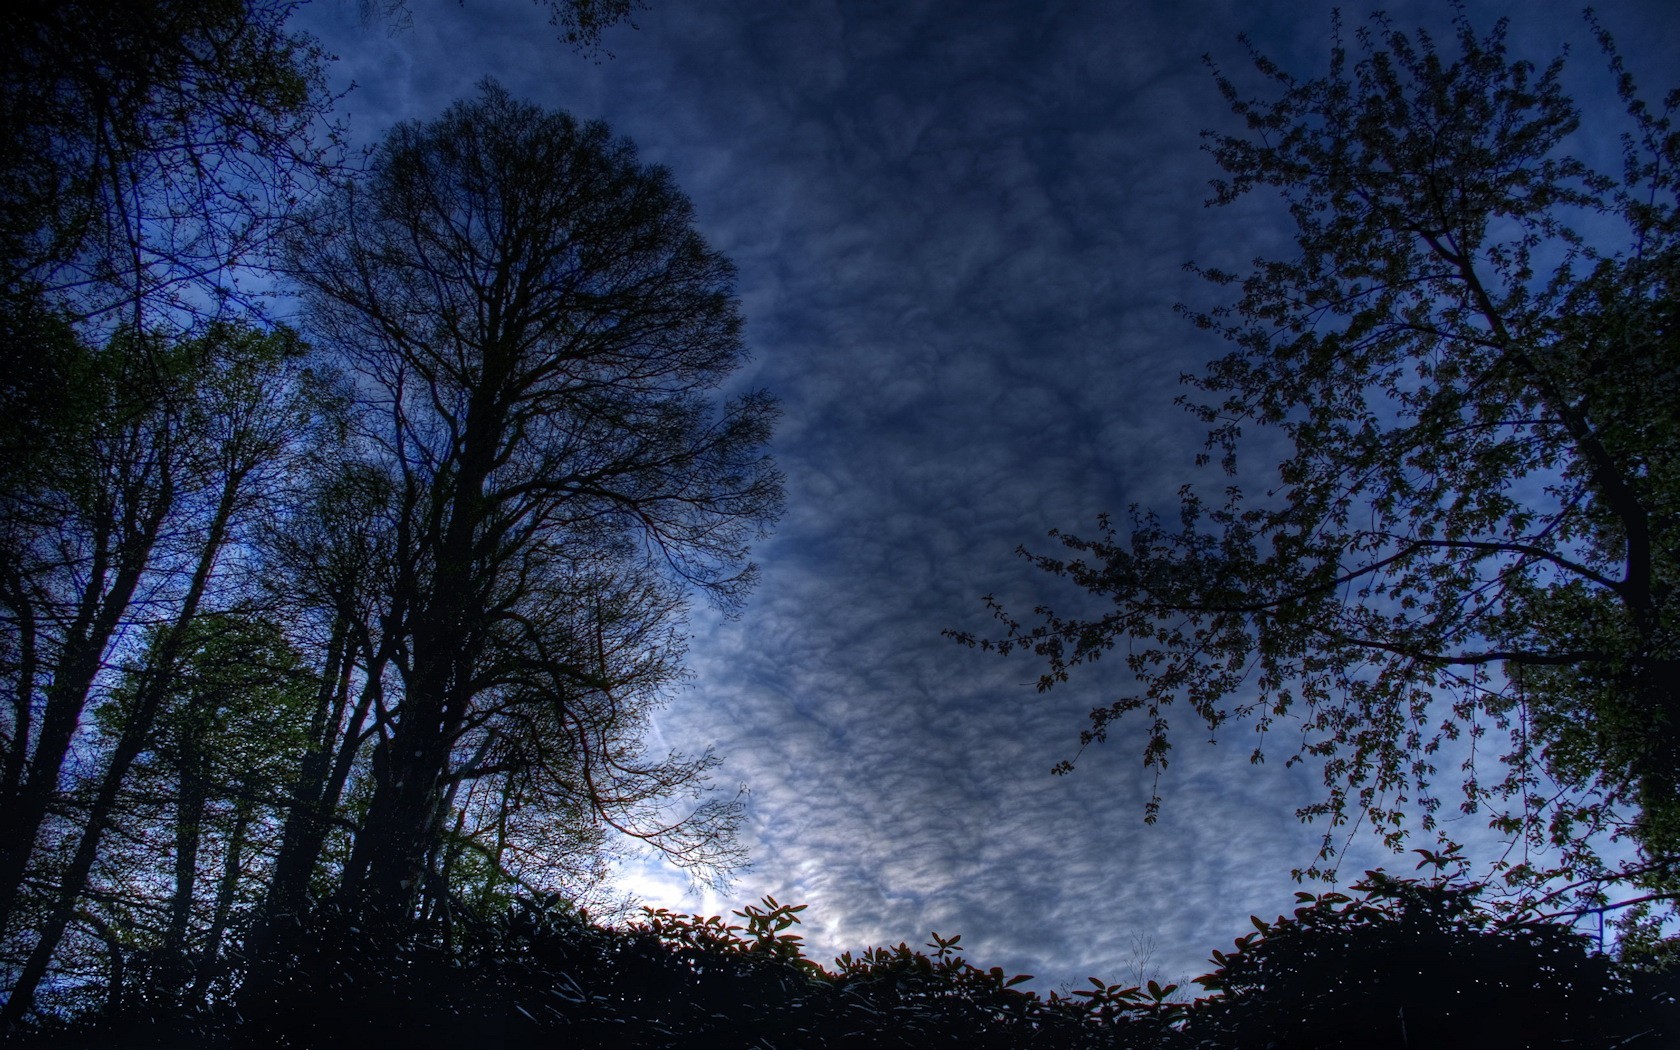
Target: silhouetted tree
[
  {"x": 327, "y": 561},
  {"x": 151, "y": 149},
  {"x": 226, "y": 737},
  {"x": 1476, "y": 529},
  {"x": 159, "y": 457},
  {"x": 531, "y": 326}
]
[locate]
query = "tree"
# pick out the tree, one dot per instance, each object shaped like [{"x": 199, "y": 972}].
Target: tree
[
  {"x": 162, "y": 456},
  {"x": 1475, "y": 531},
  {"x": 532, "y": 327},
  {"x": 152, "y": 149},
  {"x": 225, "y": 737},
  {"x": 189, "y": 831},
  {"x": 326, "y": 560}
]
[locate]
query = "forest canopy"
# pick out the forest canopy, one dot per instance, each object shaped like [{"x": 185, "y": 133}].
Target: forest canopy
[{"x": 331, "y": 647}]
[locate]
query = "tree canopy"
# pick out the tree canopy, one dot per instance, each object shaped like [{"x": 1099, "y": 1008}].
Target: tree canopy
[
  {"x": 374, "y": 614},
  {"x": 529, "y": 326},
  {"x": 153, "y": 150},
  {"x": 1468, "y": 556}
]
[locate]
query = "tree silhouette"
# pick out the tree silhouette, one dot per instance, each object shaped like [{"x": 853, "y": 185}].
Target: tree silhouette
[
  {"x": 530, "y": 327},
  {"x": 174, "y": 484},
  {"x": 198, "y": 804},
  {"x": 162, "y": 456},
  {"x": 152, "y": 149},
  {"x": 1475, "y": 529}
]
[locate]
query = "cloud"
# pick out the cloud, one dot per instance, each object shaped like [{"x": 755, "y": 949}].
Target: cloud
[{"x": 960, "y": 230}]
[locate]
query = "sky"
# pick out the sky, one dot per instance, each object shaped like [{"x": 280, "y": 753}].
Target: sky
[{"x": 960, "y": 228}]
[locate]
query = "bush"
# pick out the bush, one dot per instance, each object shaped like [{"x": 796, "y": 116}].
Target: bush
[{"x": 1404, "y": 964}]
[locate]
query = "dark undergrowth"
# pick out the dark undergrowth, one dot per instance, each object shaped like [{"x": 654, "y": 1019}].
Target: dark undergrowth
[{"x": 1403, "y": 965}]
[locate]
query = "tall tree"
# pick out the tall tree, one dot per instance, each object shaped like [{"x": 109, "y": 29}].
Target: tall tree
[
  {"x": 1473, "y": 357},
  {"x": 534, "y": 328},
  {"x": 329, "y": 560},
  {"x": 134, "y": 513}
]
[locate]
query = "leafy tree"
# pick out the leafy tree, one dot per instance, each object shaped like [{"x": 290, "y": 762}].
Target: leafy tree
[
  {"x": 162, "y": 455},
  {"x": 1474, "y": 533},
  {"x": 227, "y": 735},
  {"x": 153, "y": 152},
  {"x": 151, "y": 148},
  {"x": 531, "y": 328}
]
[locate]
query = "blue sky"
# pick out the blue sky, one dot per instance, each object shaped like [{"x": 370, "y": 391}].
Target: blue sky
[{"x": 960, "y": 228}]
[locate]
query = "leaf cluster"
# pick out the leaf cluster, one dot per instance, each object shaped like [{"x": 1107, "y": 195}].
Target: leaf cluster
[{"x": 1467, "y": 559}]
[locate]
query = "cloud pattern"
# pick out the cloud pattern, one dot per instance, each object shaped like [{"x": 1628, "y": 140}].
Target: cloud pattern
[{"x": 960, "y": 230}]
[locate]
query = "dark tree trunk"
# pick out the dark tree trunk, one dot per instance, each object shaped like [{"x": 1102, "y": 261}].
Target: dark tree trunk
[
  {"x": 190, "y": 802},
  {"x": 315, "y": 799},
  {"x": 24, "y": 811},
  {"x": 232, "y": 870},
  {"x": 99, "y": 816},
  {"x": 149, "y": 697},
  {"x": 403, "y": 821}
]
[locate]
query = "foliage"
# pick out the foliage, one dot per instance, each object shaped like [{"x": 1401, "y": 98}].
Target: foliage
[
  {"x": 543, "y": 970},
  {"x": 201, "y": 801},
  {"x": 1469, "y": 553},
  {"x": 159, "y": 455},
  {"x": 1423, "y": 963},
  {"x": 152, "y": 148},
  {"x": 1420, "y": 953}
]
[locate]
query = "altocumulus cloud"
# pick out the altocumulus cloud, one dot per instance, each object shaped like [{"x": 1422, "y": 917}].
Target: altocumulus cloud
[{"x": 960, "y": 229}]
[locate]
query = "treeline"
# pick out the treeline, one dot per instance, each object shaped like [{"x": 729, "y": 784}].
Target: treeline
[
  {"x": 360, "y": 615},
  {"x": 1405, "y": 963}
]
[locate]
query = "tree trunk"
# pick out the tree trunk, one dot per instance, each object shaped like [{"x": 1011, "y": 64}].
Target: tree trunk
[
  {"x": 231, "y": 871},
  {"x": 97, "y": 617},
  {"x": 154, "y": 685},
  {"x": 315, "y": 798},
  {"x": 403, "y": 820},
  {"x": 87, "y": 851},
  {"x": 190, "y": 802}
]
